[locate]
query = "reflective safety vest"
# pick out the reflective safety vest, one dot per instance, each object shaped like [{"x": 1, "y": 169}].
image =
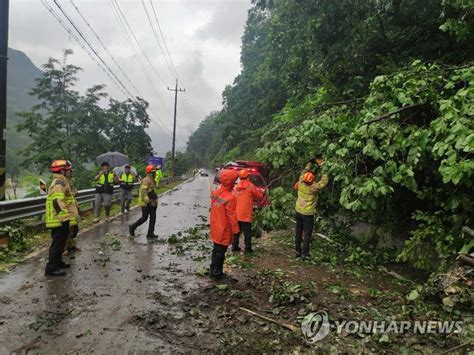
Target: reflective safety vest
[
  {"x": 127, "y": 181},
  {"x": 158, "y": 176},
  {"x": 102, "y": 186},
  {"x": 56, "y": 208},
  {"x": 308, "y": 194},
  {"x": 110, "y": 178},
  {"x": 147, "y": 194}
]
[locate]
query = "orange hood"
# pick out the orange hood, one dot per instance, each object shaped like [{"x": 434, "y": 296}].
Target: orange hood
[{"x": 228, "y": 178}]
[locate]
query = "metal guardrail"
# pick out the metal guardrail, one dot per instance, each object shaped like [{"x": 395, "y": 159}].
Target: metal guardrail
[{"x": 14, "y": 210}]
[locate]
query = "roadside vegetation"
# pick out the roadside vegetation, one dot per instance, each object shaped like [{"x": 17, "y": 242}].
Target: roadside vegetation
[
  {"x": 384, "y": 90},
  {"x": 28, "y": 236}
]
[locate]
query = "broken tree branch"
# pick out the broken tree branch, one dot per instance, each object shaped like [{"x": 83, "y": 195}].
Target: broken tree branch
[
  {"x": 283, "y": 174},
  {"x": 322, "y": 236},
  {"x": 336, "y": 103},
  {"x": 396, "y": 275},
  {"x": 468, "y": 231},
  {"x": 390, "y": 114},
  {"x": 466, "y": 260},
  {"x": 284, "y": 325}
]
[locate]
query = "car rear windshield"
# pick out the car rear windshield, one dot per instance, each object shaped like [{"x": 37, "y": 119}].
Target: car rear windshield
[{"x": 257, "y": 180}]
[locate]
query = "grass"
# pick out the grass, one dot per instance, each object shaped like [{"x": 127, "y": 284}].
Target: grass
[{"x": 39, "y": 240}]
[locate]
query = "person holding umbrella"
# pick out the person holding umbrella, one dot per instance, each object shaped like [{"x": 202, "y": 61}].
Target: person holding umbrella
[
  {"x": 104, "y": 189},
  {"x": 127, "y": 180},
  {"x": 148, "y": 201}
]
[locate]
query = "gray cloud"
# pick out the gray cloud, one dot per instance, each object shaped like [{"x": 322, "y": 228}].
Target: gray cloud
[
  {"x": 203, "y": 38},
  {"x": 226, "y": 23}
]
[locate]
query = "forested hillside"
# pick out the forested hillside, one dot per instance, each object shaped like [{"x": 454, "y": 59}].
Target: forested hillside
[
  {"x": 383, "y": 90},
  {"x": 21, "y": 78}
]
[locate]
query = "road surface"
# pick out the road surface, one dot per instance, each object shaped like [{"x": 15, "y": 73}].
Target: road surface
[{"x": 121, "y": 294}]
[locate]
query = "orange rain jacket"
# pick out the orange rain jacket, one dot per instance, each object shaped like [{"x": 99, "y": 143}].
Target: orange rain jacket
[
  {"x": 223, "y": 219},
  {"x": 246, "y": 194}
]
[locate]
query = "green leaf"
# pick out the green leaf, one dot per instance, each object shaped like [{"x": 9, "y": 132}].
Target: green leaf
[{"x": 413, "y": 295}]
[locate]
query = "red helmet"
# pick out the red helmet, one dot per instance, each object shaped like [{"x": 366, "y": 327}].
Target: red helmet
[
  {"x": 150, "y": 168},
  {"x": 309, "y": 177},
  {"x": 59, "y": 165},
  {"x": 244, "y": 173}
]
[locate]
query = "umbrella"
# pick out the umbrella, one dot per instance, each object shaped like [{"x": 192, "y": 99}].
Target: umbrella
[
  {"x": 119, "y": 170},
  {"x": 113, "y": 158}
]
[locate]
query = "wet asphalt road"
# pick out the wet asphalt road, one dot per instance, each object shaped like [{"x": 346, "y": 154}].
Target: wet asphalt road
[{"x": 92, "y": 309}]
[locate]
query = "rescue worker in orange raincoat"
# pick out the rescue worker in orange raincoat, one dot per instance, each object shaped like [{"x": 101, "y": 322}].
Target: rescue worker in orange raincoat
[
  {"x": 305, "y": 207},
  {"x": 223, "y": 221},
  {"x": 246, "y": 195}
]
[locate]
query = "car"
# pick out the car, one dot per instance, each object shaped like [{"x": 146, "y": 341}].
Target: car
[
  {"x": 258, "y": 177},
  {"x": 203, "y": 172}
]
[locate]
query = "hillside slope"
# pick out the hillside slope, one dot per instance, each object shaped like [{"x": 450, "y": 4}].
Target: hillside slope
[{"x": 21, "y": 78}]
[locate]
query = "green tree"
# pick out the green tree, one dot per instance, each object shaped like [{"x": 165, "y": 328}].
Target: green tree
[
  {"x": 68, "y": 125},
  {"x": 127, "y": 122},
  {"x": 51, "y": 123},
  {"x": 315, "y": 74}
]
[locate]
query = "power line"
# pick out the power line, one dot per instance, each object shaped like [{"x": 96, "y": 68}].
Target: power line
[
  {"x": 138, "y": 43},
  {"x": 156, "y": 37},
  {"x": 92, "y": 48},
  {"x": 104, "y": 47},
  {"x": 91, "y": 55},
  {"x": 115, "y": 62},
  {"x": 163, "y": 38},
  {"x": 77, "y": 39},
  {"x": 130, "y": 43},
  {"x": 124, "y": 25}
]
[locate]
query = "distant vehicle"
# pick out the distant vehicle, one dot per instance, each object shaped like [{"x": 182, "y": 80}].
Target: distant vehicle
[
  {"x": 258, "y": 176},
  {"x": 203, "y": 172}
]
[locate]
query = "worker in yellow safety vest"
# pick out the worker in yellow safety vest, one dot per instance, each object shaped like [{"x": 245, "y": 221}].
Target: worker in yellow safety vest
[
  {"x": 158, "y": 177},
  {"x": 127, "y": 179},
  {"x": 104, "y": 190},
  {"x": 305, "y": 207},
  {"x": 58, "y": 217},
  {"x": 148, "y": 202}
]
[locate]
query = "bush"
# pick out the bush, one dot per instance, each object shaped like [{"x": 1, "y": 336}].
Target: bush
[{"x": 401, "y": 158}]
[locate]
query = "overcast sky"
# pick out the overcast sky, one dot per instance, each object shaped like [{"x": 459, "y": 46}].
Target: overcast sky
[{"x": 203, "y": 37}]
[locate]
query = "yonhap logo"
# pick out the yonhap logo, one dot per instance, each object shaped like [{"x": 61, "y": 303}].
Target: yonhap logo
[{"x": 315, "y": 327}]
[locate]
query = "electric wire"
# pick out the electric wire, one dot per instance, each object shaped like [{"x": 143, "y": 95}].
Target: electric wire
[
  {"x": 163, "y": 38},
  {"x": 93, "y": 55},
  {"x": 157, "y": 39}
]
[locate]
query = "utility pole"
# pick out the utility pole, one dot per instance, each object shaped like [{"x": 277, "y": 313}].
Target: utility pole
[
  {"x": 4, "y": 6},
  {"x": 173, "y": 149}
]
